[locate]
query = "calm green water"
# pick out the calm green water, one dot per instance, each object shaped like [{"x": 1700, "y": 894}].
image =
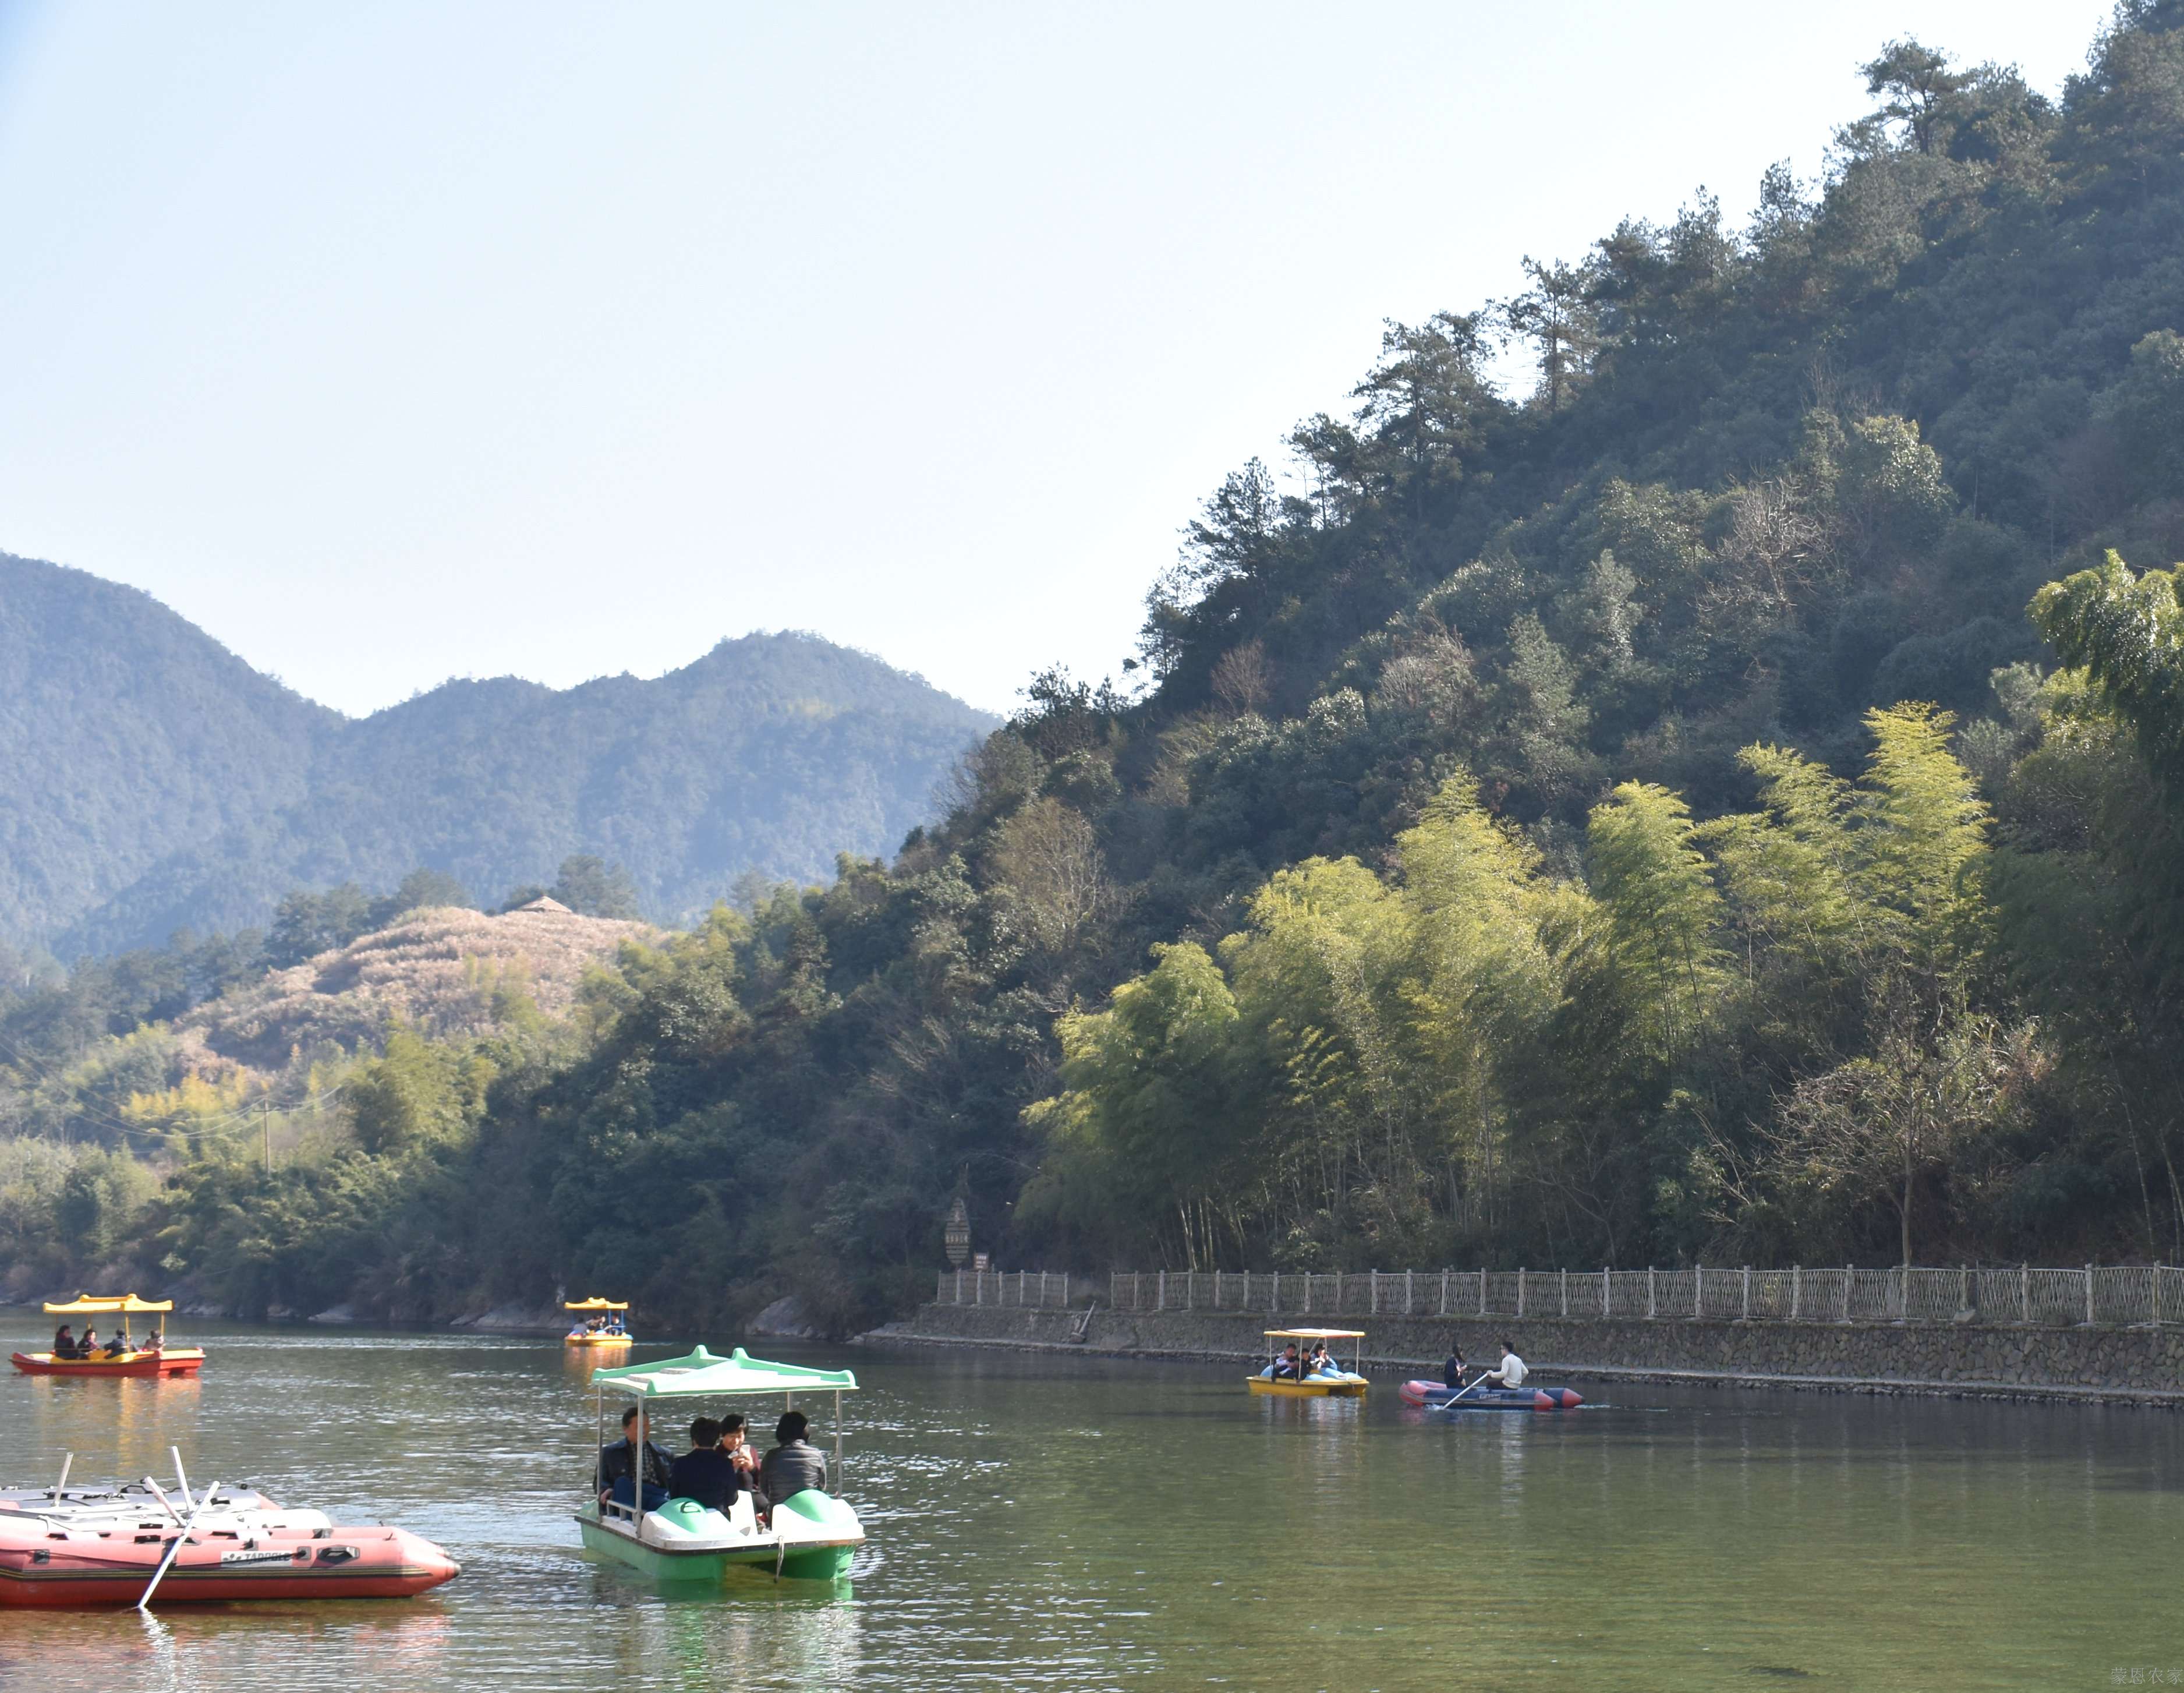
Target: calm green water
[{"x": 1057, "y": 1522}]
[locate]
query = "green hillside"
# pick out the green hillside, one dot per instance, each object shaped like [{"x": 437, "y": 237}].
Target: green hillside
[
  {"x": 1630, "y": 821},
  {"x": 152, "y": 781}
]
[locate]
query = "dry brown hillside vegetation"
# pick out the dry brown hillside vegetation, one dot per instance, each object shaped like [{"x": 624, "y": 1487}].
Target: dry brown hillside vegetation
[{"x": 444, "y": 971}]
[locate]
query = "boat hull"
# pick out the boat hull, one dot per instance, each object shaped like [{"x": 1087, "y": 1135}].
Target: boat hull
[
  {"x": 816, "y": 1555},
  {"x": 1306, "y": 1389},
  {"x": 1437, "y": 1396},
  {"x": 179, "y": 1360},
  {"x": 81, "y": 1567},
  {"x": 598, "y": 1340}
]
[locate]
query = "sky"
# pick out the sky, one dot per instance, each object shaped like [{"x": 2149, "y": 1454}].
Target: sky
[{"x": 395, "y": 343}]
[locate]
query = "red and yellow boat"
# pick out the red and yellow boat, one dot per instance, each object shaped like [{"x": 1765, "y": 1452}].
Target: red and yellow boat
[
  {"x": 154, "y": 1357},
  {"x": 606, "y": 1325}
]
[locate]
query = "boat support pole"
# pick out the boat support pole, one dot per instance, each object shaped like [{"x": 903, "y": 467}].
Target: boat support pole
[
  {"x": 60, "y": 1487},
  {"x": 175, "y": 1545}
]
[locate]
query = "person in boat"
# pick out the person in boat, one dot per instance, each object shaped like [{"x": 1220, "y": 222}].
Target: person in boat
[
  {"x": 1289, "y": 1367},
  {"x": 1512, "y": 1369},
  {"x": 155, "y": 1342},
  {"x": 1453, "y": 1367},
  {"x": 705, "y": 1473},
  {"x": 735, "y": 1446},
  {"x": 117, "y": 1347},
  {"x": 1323, "y": 1360},
  {"x": 65, "y": 1341},
  {"x": 794, "y": 1463},
  {"x": 618, "y": 1461},
  {"x": 88, "y": 1346}
]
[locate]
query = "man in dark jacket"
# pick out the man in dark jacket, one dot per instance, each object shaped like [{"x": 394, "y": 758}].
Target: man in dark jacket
[
  {"x": 703, "y": 1472},
  {"x": 794, "y": 1464},
  {"x": 618, "y": 1462}
]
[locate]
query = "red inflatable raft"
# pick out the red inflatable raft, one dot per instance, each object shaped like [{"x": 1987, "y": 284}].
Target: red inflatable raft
[
  {"x": 1434, "y": 1394},
  {"x": 53, "y": 1560}
]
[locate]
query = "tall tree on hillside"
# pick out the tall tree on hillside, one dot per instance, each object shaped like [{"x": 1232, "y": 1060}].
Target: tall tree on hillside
[
  {"x": 2126, "y": 634},
  {"x": 1556, "y": 313}
]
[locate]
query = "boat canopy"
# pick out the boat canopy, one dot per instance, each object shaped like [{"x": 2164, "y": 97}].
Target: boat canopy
[
  {"x": 701, "y": 1375},
  {"x": 87, "y": 1305},
  {"x": 1315, "y": 1334},
  {"x": 595, "y": 1304}
]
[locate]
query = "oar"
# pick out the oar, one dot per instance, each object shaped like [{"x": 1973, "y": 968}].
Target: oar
[
  {"x": 174, "y": 1546},
  {"x": 60, "y": 1487},
  {"x": 1460, "y": 1392}
]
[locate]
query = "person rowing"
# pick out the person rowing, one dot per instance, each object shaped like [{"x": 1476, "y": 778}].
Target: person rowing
[{"x": 1510, "y": 1373}]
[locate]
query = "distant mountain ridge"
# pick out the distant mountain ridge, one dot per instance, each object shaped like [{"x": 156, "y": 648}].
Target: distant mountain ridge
[{"x": 150, "y": 780}]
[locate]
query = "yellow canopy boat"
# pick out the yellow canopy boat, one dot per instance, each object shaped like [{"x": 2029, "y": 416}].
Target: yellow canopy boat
[
  {"x": 154, "y": 1357},
  {"x": 1303, "y": 1383},
  {"x": 606, "y": 1326}
]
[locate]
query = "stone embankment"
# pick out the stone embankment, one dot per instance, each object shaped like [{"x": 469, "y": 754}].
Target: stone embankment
[{"x": 2141, "y": 1365}]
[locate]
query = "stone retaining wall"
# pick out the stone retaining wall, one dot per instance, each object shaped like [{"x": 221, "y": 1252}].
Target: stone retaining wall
[{"x": 2143, "y": 1366}]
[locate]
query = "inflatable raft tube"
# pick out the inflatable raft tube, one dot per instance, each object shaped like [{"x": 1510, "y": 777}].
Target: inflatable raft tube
[{"x": 1433, "y": 1394}]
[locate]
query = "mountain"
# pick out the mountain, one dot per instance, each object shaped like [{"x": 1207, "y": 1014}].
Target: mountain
[{"x": 151, "y": 781}]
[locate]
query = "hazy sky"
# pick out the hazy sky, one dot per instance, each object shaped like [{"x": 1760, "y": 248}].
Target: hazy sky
[{"x": 395, "y": 342}]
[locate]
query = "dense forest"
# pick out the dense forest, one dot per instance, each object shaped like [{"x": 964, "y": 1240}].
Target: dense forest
[
  {"x": 1723, "y": 802},
  {"x": 155, "y": 782}
]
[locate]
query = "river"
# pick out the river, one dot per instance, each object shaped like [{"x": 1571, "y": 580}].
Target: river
[{"x": 1048, "y": 1521}]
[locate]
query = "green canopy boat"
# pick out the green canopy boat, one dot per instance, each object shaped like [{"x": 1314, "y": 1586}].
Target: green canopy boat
[{"x": 812, "y": 1535}]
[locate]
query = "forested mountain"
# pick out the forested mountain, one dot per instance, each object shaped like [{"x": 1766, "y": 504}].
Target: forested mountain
[
  {"x": 1724, "y": 801},
  {"x": 152, "y": 781}
]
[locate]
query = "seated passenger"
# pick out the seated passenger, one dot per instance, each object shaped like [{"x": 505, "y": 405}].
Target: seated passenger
[
  {"x": 117, "y": 1347},
  {"x": 88, "y": 1346},
  {"x": 794, "y": 1464},
  {"x": 1453, "y": 1367},
  {"x": 1511, "y": 1372},
  {"x": 64, "y": 1342},
  {"x": 703, "y": 1472},
  {"x": 618, "y": 1462},
  {"x": 156, "y": 1342},
  {"x": 1323, "y": 1361},
  {"x": 737, "y": 1449}
]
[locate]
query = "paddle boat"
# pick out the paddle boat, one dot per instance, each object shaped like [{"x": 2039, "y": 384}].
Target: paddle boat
[
  {"x": 155, "y": 1358},
  {"x": 599, "y": 1330},
  {"x": 1439, "y": 1396},
  {"x": 116, "y": 1545},
  {"x": 812, "y": 1535},
  {"x": 1321, "y": 1384}
]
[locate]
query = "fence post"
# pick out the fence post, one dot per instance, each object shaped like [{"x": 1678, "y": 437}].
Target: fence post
[
  {"x": 1649, "y": 1293},
  {"x": 1407, "y": 1285},
  {"x": 1307, "y": 1291},
  {"x": 2025, "y": 1293},
  {"x": 1796, "y": 1292},
  {"x": 1849, "y": 1275},
  {"x": 2157, "y": 1293},
  {"x": 1746, "y": 1315},
  {"x": 1607, "y": 1295},
  {"x": 1698, "y": 1290},
  {"x": 1520, "y": 1290},
  {"x": 1562, "y": 1277},
  {"x": 1444, "y": 1291},
  {"x": 1373, "y": 1290},
  {"x": 1482, "y": 1290},
  {"x": 2089, "y": 1296}
]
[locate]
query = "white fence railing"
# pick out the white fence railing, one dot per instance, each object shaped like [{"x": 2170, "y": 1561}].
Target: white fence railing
[{"x": 2121, "y": 1296}]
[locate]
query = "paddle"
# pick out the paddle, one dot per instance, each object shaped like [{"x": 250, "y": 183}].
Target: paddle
[
  {"x": 1460, "y": 1392},
  {"x": 174, "y": 1546}
]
